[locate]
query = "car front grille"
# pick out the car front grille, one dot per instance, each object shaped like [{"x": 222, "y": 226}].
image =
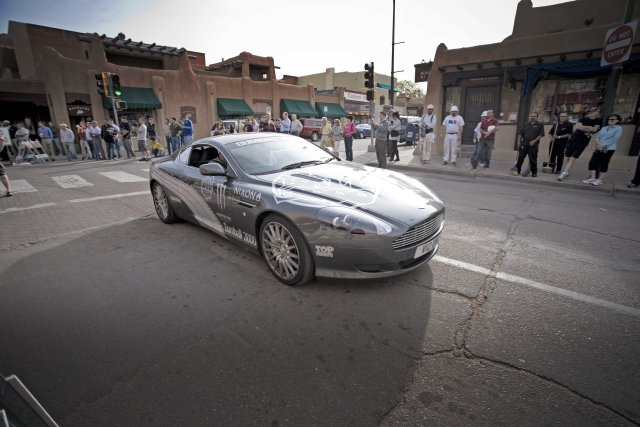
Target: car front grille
[{"x": 418, "y": 233}]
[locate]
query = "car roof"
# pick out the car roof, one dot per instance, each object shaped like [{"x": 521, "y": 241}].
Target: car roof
[{"x": 235, "y": 137}]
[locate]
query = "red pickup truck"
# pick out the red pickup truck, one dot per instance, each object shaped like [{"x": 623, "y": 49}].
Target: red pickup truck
[{"x": 311, "y": 129}]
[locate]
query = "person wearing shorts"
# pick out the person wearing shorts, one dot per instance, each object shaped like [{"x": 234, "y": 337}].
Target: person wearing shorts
[
  {"x": 587, "y": 126},
  {"x": 3, "y": 174}
]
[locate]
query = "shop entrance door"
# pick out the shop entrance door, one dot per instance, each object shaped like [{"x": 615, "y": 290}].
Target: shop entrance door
[{"x": 476, "y": 100}]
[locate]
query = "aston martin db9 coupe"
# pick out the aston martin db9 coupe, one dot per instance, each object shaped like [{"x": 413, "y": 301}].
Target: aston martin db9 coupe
[{"x": 305, "y": 211}]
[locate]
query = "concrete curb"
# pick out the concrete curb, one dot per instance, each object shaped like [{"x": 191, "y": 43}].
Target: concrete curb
[{"x": 413, "y": 164}]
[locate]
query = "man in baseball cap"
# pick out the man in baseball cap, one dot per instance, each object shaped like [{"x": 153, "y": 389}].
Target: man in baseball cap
[{"x": 453, "y": 124}]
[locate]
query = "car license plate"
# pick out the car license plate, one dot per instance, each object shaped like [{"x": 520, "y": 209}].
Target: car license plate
[{"x": 425, "y": 248}]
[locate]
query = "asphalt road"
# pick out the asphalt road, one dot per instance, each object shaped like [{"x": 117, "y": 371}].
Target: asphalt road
[{"x": 528, "y": 315}]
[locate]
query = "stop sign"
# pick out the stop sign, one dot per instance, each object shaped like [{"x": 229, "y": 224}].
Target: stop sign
[{"x": 617, "y": 44}]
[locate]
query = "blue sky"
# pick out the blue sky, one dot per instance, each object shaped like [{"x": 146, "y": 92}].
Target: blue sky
[{"x": 303, "y": 37}]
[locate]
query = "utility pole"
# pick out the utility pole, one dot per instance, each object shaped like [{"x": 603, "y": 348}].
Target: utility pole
[{"x": 393, "y": 45}]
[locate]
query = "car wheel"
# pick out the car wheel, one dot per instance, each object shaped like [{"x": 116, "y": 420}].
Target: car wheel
[
  {"x": 361, "y": 135},
  {"x": 285, "y": 251},
  {"x": 315, "y": 137},
  {"x": 161, "y": 203}
]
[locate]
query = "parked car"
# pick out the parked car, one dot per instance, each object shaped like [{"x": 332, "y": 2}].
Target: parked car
[
  {"x": 306, "y": 212},
  {"x": 228, "y": 123},
  {"x": 311, "y": 129},
  {"x": 363, "y": 130}
]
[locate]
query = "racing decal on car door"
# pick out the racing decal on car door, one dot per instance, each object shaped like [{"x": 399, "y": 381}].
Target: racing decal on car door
[
  {"x": 208, "y": 187},
  {"x": 193, "y": 199}
]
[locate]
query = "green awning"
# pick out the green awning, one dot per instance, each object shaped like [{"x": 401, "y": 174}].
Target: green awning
[
  {"x": 330, "y": 110},
  {"x": 137, "y": 98},
  {"x": 300, "y": 108},
  {"x": 229, "y": 107}
]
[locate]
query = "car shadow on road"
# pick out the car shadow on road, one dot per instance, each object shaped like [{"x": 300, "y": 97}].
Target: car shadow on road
[{"x": 148, "y": 321}]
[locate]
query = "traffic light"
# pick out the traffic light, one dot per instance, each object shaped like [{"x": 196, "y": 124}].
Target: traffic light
[
  {"x": 115, "y": 82},
  {"x": 100, "y": 83},
  {"x": 369, "y": 80}
]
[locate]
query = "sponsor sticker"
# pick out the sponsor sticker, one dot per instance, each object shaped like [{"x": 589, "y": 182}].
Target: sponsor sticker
[{"x": 324, "y": 251}]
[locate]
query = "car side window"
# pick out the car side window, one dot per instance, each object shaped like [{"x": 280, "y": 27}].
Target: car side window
[
  {"x": 184, "y": 156},
  {"x": 201, "y": 155}
]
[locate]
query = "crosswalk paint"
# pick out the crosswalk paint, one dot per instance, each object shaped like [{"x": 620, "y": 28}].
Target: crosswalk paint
[
  {"x": 38, "y": 206},
  {"x": 123, "y": 176},
  {"x": 110, "y": 196},
  {"x": 71, "y": 181},
  {"x": 22, "y": 186}
]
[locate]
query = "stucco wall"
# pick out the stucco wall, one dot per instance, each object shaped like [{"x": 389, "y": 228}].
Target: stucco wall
[{"x": 545, "y": 32}]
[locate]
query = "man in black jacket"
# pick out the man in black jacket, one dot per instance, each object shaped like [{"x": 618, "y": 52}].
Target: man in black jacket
[{"x": 530, "y": 134}]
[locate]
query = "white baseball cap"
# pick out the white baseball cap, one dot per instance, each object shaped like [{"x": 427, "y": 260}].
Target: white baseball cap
[
  {"x": 484, "y": 114},
  {"x": 454, "y": 108},
  {"x": 430, "y": 107}
]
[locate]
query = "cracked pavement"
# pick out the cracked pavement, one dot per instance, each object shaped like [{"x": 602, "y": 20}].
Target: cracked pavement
[{"x": 113, "y": 318}]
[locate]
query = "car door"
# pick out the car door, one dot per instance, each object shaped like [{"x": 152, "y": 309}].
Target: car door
[{"x": 210, "y": 205}]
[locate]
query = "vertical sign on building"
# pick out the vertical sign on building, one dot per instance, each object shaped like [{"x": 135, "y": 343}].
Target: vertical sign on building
[{"x": 618, "y": 43}]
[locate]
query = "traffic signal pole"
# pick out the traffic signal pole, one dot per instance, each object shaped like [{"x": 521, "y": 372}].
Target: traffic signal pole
[
  {"x": 112, "y": 97},
  {"x": 109, "y": 86},
  {"x": 369, "y": 83}
]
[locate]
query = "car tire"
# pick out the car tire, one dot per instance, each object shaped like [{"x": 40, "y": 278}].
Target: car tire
[
  {"x": 315, "y": 136},
  {"x": 162, "y": 204},
  {"x": 285, "y": 251},
  {"x": 361, "y": 135}
]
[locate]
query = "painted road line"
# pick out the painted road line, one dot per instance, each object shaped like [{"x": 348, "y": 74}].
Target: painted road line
[
  {"x": 123, "y": 176},
  {"x": 38, "y": 206},
  {"x": 111, "y": 196},
  {"x": 631, "y": 311},
  {"x": 71, "y": 181},
  {"x": 21, "y": 186}
]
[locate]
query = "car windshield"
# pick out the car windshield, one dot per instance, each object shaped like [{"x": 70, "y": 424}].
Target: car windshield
[{"x": 275, "y": 153}]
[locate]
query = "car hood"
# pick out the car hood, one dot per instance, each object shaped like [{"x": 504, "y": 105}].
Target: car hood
[{"x": 385, "y": 193}]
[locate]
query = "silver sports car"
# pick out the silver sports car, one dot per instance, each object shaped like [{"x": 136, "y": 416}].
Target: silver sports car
[{"x": 305, "y": 211}]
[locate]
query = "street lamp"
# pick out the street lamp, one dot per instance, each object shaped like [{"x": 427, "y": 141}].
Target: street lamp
[{"x": 393, "y": 45}]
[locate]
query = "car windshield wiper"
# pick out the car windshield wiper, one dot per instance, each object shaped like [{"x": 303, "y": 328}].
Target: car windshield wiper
[
  {"x": 300, "y": 164},
  {"x": 329, "y": 159}
]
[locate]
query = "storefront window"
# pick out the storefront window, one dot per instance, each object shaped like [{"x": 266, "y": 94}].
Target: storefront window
[
  {"x": 627, "y": 97},
  {"x": 575, "y": 97},
  {"x": 509, "y": 102},
  {"x": 542, "y": 100},
  {"x": 453, "y": 97}
]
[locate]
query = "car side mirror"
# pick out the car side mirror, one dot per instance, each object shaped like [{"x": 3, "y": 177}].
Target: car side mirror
[{"x": 213, "y": 169}]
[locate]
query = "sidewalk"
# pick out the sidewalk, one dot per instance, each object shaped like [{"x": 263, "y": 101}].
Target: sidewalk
[{"x": 615, "y": 180}]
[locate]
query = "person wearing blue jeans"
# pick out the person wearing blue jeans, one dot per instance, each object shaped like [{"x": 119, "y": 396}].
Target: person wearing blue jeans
[
  {"x": 349, "y": 131},
  {"x": 67, "y": 138},
  {"x": 187, "y": 130}
]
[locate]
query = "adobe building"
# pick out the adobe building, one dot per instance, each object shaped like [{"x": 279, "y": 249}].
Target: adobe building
[
  {"x": 349, "y": 88},
  {"x": 50, "y": 74},
  {"x": 549, "y": 64}
]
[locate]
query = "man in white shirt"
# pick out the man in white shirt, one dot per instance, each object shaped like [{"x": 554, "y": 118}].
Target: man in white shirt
[
  {"x": 296, "y": 125},
  {"x": 142, "y": 140},
  {"x": 453, "y": 124},
  {"x": 427, "y": 133}
]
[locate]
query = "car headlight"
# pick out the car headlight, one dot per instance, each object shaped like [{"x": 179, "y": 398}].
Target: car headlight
[{"x": 353, "y": 221}]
